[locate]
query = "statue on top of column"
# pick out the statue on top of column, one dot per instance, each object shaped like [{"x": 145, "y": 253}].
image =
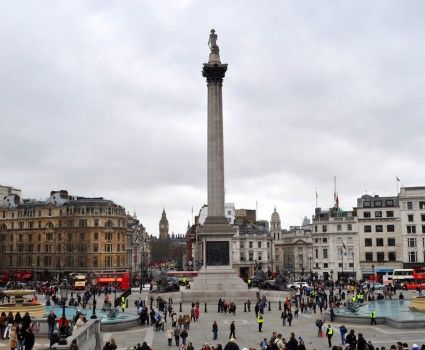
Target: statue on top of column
[{"x": 212, "y": 43}]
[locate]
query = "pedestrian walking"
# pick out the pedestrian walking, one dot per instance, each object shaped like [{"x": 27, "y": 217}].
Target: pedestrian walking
[
  {"x": 283, "y": 317},
  {"x": 260, "y": 321},
  {"x": 184, "y": 336},
  {"x": 343, "y": 331},
  {"x": 169, "y": 333},
  {"x": 232, "y": 330},
  {"x": 177, "y": 335},
  {"x": 329, "y": 334},
  {"x": 215, "y": 330},
  {"x": 319, "y": 324},
  {"x": 373, "y": 317}
]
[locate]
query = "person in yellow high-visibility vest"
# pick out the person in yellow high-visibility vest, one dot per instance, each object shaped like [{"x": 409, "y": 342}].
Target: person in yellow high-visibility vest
[
  {"x": 184, "y": 281},
  {"x": 329, "y": 334},
  {"x": 373, "y": 317},
  {"x": 260, "y": 320},
  {"x": 353, "y": 298},
  {"x": 123, "y": 304}
]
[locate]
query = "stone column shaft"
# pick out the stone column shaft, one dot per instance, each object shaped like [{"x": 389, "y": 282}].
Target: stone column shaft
[{"x": 215, "y": 151}]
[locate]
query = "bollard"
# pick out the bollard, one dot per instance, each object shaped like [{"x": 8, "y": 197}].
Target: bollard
[
  {"x": 280, "y": 305},
  {"x": 180, "y": 307},
  {"x": 205, "y": 308},
  {"x": 244, "y": 307},
  {"x": 269, "y": 306}
]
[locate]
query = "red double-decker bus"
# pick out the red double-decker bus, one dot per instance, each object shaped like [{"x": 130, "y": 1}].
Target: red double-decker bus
[
  {"x": 120, "y": 280},
  {"x": 418, "y": 281}
]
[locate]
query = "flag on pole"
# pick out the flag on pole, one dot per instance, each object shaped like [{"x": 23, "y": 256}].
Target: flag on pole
[
  {"x": 396, "y": 177},
  {"x": 343, "y": 244}
]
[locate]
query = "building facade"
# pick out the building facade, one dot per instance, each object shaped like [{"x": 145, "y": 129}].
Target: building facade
[
  {"x": 252, "y": 250},
  {"x": 379, "y": 235},
  {"x": 335, "y": 244},
  {"x": 412, "y": 214},
  {"x": 63, "y": 234},
  {"x": 293, "y": 251}
]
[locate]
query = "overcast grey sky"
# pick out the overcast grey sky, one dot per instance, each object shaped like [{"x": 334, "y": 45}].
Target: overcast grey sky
[{"x": 107, "y": 98}]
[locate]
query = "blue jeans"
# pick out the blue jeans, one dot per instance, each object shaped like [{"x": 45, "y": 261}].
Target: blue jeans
[
  {"x": 214, "y": 335},
  {"x": 21, "y": 344}
]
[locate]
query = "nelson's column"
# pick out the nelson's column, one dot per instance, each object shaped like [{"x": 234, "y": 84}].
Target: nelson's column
[{"x": 216, "y": 273}]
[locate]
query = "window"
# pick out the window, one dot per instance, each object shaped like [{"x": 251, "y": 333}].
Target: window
[
  {"x": 390, "y": 214},
  {"x": 390, "y": 228},
  {"x": 242, "y": 244},
  {"x": 367, "y": 228},
  {"x": 377, "y": 204},
  {"x": 325, "y": 265},
  {"x": 325, "y": 240},
  {"x": 260, "y": 256},
  {"x": 389, "y": 203},
  {"x": 391, "y": 242},
  {"x": 379, "y": 228},
  {"x": 338, "y": 227},
  {"x": 324, "y": 228},
  {"x": 95, "y": 247},
  {"x": 316, "y": 240},
  {"x": 108, "y": 261},
  {"x": 108, "y": 236},
  {"x": 259, "y": 244},
  {"x": 251, "y": 256},
  {"x": 423, "y": 228},
  {"x": 378, "y": 214},
  {"x": 325, "y": 253},
  {"x": 422, "y": 217},
  {"x": 368, "y": 242},
  {"x": 250, "y": 244},
  {"x": 82, "y": 223},
  {"x": 96, "y": 236},
  {"x": 350, "y": 265},
  {"x": 379, "y": 242},
  {"x": 366, "y": 214},
  {"x": 413, "y": 256},
  {"x": 242, "y": 256},
  {"x": 409, "y": 205},
  {"x": 392, "y": 256},
  {"x": 380, "y": 256},
  {"x": 410, "y": 217},
  {"x": 368, "y": 257},
  {"x": 96, "y": 222},
  {"x": 316, "y": 253},
  {"x": 366, "y": 204},
  {"x": 411, "y": 242},
  {"x": 349, "y": 227},
  {"x": 411, "y": 229},
  {"x": 421, "y": 205},
  {"x": 108, "y": 248},
  {"x": 315, "y": 228}
]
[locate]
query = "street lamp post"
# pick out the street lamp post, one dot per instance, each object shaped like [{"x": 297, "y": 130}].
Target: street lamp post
[
  {"x": 64, "y": 296},
  {"x": 94, "y": 282},
  {"x": 373, "y": 272}
]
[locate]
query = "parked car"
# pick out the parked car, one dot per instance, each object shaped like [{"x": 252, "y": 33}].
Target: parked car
[
  {"x": 377, "y": 285},
  {"x": 298, "y": 285}
]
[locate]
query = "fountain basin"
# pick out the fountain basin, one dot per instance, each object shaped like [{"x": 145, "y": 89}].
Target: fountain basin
[
  {"x": 418, "y": 304},
  {"x": 21, "y": 304},
  {"x": 395, "y": 313}
]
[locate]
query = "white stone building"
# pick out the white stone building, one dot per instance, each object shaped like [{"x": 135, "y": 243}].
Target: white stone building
[
  {"x": 412, "y": 213},
  {"x": 379, "y": 234},
  {"x": 252, "y": 249},
  {"x": 335, "y": 244},
  {"x": 229, "y": 209}
]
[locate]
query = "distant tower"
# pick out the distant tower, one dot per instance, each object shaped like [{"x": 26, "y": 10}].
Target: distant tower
[
  {"x": 275, "y": 227},
  {"x": 163, "y": 226}
]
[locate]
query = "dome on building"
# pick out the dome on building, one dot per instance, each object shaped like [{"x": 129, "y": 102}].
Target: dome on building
[{"x": 275, "y": 216}]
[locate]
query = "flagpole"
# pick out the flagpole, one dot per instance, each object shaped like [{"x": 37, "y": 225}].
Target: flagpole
[{"x": 316, "y": 197}]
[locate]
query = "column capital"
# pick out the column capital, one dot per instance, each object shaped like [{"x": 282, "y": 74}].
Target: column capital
[{"x": 214, "y": 73}]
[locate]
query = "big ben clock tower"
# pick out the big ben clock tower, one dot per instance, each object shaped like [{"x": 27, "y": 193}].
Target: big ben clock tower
[{"x": 163, "y": 226}]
